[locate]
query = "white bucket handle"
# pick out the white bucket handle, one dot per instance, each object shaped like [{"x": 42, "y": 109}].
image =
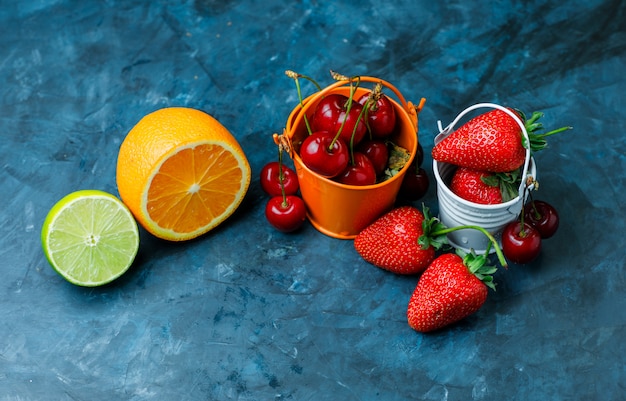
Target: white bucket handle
[{"x": 444, "y": 132}]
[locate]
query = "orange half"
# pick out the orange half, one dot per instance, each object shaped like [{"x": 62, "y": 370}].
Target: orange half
[{"x": 181, "y": 173}]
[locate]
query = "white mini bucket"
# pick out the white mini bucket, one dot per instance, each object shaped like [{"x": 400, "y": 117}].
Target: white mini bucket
[{"x": 455, "y": 211}]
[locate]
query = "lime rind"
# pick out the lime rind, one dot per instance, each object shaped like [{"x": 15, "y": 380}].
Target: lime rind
[{"x": 90, "y": 238}]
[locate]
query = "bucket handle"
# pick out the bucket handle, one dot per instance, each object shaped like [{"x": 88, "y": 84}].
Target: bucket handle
[
  {"x": 529, "y": 182},
  {"x": 411, "y": 109}
]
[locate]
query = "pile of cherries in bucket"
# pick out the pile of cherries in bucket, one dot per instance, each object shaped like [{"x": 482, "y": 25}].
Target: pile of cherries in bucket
[{"x": 348, "y": 141}]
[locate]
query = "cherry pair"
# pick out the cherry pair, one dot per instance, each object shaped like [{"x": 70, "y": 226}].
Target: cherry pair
[
  {"x": 521, "y": 239},
  {"x": 285, "y": 210}
]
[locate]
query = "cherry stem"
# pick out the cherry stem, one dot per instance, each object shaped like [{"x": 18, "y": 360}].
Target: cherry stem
[
  {"x": 492, "y": 239},
  {"x": 522, "y": 232},
  {"x": 356, "y": 125},
  {"x": 295, "y": 76},
  {"x": 534, "y": 209},
  {"x": 284, "y": 203},
  {"x": 371, "y": 103},
  {"x": 348, "y": 108},
  {"x": 281, "y": 176},
  {"x": 306, "y": 120}
]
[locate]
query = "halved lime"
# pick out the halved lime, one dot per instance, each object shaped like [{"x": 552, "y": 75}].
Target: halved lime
[{"x": 90, "y": 238}]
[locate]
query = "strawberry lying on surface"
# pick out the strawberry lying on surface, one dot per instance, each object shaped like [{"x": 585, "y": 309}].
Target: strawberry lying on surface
[
  {"x": 405, "y": 240},
  {"x": 483, "y": 187},
  {"x": 493, "y": 142},
  {"x": 449, "y": 290},
  {"x": 393, "y": 241}
]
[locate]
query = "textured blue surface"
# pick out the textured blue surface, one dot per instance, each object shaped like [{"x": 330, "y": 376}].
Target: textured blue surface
[{"x": 246, "y": 313}]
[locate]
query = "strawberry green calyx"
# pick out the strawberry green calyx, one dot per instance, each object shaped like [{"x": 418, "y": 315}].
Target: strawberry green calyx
[
  {"x": 434, "y": 234},
  {"x": 508, "y": 183},
  {"x": 477, "y": 265},
  {"x": 537, "y": 141},
  {"x": 432, "y": 228}
]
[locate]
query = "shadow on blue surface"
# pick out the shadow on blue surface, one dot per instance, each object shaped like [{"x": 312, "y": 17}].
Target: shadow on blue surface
[{"x": 247, "y": 313}]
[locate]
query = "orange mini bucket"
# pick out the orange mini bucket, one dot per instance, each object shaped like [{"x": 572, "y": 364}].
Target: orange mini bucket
[{"x": 339, "y": 210}]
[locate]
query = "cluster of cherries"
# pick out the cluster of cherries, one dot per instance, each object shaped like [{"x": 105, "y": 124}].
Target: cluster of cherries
[
  {"x": 348, "y": 141},
  {"x": 285, "y": 210},
  {"x": 522, "y": 238}
]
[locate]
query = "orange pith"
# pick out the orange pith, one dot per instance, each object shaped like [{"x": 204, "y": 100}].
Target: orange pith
[{"x": 181, "y": 173}]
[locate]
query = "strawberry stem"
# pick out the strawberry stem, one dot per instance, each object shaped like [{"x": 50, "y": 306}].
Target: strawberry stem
[
  {"x": 434, "y": 234},
  {"x": 491, "y": 238},
  {"x": 537, "y": 141},
  {"x": 554, "y": 131}
]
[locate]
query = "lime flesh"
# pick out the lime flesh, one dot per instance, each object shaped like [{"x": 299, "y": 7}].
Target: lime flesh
[{"x": 90, "y": 238}]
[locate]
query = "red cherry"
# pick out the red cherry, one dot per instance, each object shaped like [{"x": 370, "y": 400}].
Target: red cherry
[
  {"x": 324, "y": 155},
  {"x": 520, "y": 244},
  {"x": 327, "y": 112},
  {"x": 381, "y": 115},
  {"x": 361, "y": 172},
  {"x": 271, "y": 182},
  {"x": 286, "y": 214},
  {"x": 415, "y": 183},
  {"x": 330, "y": 113},
  {"x": 542, "y": 216},
  {"x": 377, "y": 152}
]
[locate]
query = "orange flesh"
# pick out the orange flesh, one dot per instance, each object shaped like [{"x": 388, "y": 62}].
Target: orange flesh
[{"x": 193, "y": 187}]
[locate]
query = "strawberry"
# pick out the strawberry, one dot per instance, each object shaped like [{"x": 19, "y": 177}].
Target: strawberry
[
  {"x": 493, "y": 141},
  {"x": 450, "y": 289},
  {"x": 484, "y": 187},
  {"x": 490, "y": 142},
  {"x": 404, "y": 240},
  {"x": 398, "y": 241},
  {"x": 475, "y": 186}
]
